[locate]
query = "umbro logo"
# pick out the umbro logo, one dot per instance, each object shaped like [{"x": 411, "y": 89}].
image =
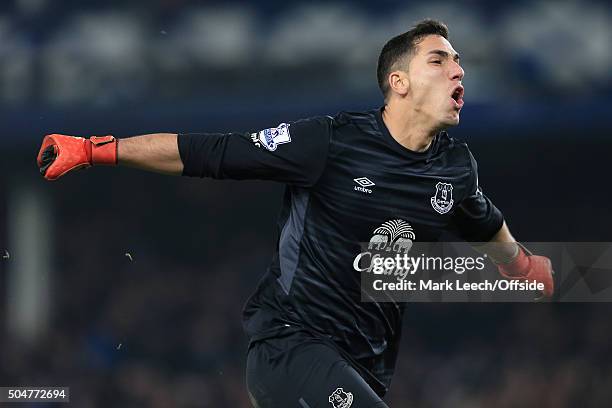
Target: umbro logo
[{"x": 363, "y": 183}]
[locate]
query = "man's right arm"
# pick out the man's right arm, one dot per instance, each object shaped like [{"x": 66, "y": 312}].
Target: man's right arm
[
  {"x": 156, "y": 152},
  {"x": 293, "y": 153},
  {"x": 60, "y": 154}
]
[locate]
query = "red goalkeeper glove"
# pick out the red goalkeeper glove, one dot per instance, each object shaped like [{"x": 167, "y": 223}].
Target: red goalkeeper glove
[
  {"x": 60, "y": 154},
  {"x": 528, "y": 267}
]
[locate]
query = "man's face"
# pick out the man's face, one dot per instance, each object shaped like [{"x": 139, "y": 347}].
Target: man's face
[{"x": 435, "y": 76}]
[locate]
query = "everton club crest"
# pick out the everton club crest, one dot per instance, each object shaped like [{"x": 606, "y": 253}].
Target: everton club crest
[
  {"x": 341, "y": 399},
  {"x": 442, "y": 201}
]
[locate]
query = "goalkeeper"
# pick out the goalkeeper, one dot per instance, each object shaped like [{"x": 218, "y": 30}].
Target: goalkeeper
[{"x": 386, "y": 172}]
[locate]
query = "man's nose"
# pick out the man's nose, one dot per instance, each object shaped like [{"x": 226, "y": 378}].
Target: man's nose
[{"x": 457, "y": 73}]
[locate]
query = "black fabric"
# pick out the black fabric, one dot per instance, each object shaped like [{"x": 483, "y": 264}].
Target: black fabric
[
  {"x": 348, "y": 182},
  {"x": 476, "y": 218},
  {"x": 299, "y": 370},
  {"x": 242, "y": 156}
]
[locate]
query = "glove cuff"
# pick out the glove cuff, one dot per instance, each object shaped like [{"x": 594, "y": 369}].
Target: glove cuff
[
  {"x": 517, "y": 268},
  {"x": 102, "y": 150}
]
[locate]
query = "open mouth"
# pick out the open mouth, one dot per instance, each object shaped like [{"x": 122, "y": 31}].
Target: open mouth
[{"x": 457, "y": 95}]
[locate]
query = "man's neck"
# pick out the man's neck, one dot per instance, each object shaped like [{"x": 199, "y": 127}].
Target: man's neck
[{"x": 408, "y": 129}]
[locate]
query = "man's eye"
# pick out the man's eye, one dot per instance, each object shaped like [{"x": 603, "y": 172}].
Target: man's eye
[{"x": 437, "y": 62}]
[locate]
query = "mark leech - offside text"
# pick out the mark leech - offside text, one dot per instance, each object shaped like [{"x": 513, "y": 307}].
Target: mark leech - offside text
[{"x": 447, "y": 285}]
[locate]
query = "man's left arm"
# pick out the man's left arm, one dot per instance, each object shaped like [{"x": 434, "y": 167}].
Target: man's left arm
[
  {"x": 516, "y": 262},
  {"x": 478, "y": 221}
]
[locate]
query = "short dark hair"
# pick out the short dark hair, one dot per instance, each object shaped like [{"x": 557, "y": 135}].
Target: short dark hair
[{"x": 402, "y": 46}]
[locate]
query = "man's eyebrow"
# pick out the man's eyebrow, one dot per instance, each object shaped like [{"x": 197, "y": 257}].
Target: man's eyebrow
[{"x": 444, "y": 54}]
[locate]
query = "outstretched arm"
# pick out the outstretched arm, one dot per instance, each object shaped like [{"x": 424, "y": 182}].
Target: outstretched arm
[
  {"x": 157, "y": 152},
  {"x": 294, "y": 153}
]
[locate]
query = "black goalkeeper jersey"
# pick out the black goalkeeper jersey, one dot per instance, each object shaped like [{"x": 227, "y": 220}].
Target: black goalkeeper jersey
[{"x": 348, "y": 182}]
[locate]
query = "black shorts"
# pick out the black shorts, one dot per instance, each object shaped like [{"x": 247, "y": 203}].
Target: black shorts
[{"x": 299, "y": 370}]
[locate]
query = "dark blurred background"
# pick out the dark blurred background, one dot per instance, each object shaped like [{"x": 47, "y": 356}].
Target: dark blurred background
[{"x": 128, "y": 287}]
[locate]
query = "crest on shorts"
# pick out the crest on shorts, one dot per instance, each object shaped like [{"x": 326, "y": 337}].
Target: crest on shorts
[
  {"x": 341, "y": 399},
  {"x": 442, "y": 201},
  {"x": 271, "y": 138}
]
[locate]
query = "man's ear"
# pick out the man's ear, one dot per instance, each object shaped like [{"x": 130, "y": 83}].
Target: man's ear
[{"x": 398, "y": 82}]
